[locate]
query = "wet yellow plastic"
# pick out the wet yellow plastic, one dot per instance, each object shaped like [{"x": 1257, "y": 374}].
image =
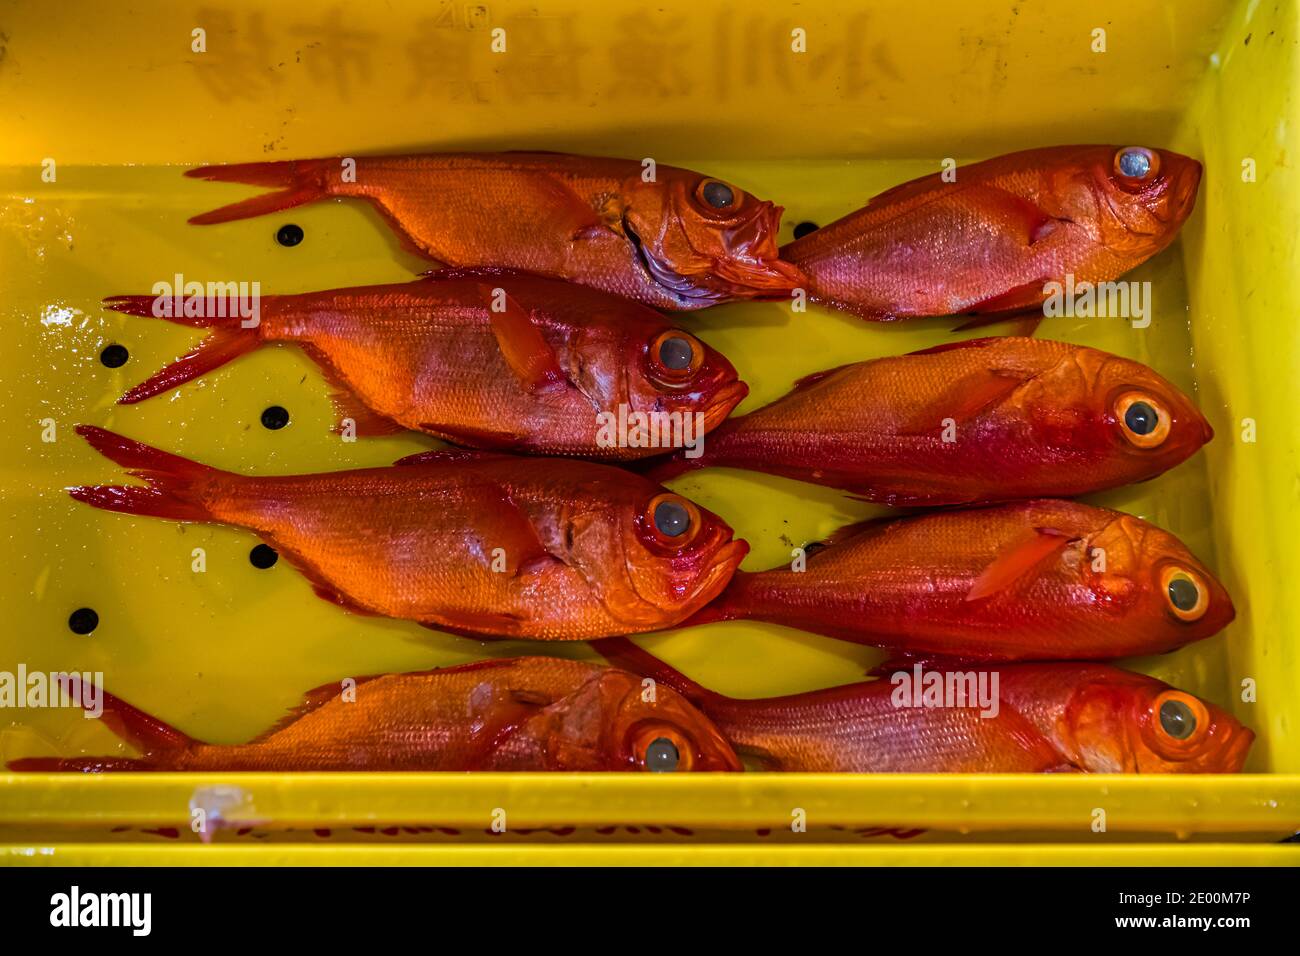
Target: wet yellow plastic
[{"x": 118, "y": 101}]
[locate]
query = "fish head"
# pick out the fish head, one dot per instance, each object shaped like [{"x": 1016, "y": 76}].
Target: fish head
[
  {"x": 619, "y": 721},
  {"x": 671, "y": 371},
  {"x": 1132, "y": 199},
  {"x": 650, "y": 557},
  {"x": 1129, "y": 723},
  {"x": 1153, "y": 580},
  {"x": 704, "y": 239},
  {"x": 657, "y": 730},
  {"x": 1150, "y": 424}
]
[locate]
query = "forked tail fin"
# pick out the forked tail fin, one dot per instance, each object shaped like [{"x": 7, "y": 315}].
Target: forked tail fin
[
  {"x": 299, "y": 181},
  {"x": 175, "y": 484},
  {"x": 229, "y": 339},
  {"x": 158, "y": 743}
]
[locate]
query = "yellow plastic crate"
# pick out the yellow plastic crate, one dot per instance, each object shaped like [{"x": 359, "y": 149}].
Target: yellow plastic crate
[{"x": 119, "y": 101}]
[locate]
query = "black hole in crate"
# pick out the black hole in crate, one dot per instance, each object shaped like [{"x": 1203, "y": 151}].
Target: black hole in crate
[
  {"x": 83, "y": 620},
  {"x": 289, "y": 235},
  {"x": 263, "y": 556},
  {"x": 803, "y": 228},
  {"x": 114, "y": 356},
  {"x": 275, "y": 417},
  {"x": 812, "y": 547}
]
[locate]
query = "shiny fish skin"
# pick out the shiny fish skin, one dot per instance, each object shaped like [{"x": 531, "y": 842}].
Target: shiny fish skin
[
  {"x": 519, "y": 714},
  {"x": 1019, "y": 581},
  {"x": 589, "y": 220},
  {"x": 470, "y": 542},
  {"x": 991, "y": 240},
  {"x": 433, "y": 356},
  {"x": 979, "y": 421},
  {"x": 1054, "y": 717}
]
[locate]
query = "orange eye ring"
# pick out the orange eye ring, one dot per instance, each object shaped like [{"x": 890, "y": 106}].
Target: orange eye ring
[
  {"x": 716, "y": 197},
  {"x": 675, "y": 357},
  {"x": 1136, "y": 166},
  {"x": 671, "y": 521},
  {"x": 661, "y": 748},
  {"x": 1185, "y": 593},
  {"x": 1179, "y": 721},
  {"x": 1143, "y": 419}
]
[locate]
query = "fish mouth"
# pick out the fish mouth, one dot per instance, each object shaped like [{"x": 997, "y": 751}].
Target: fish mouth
[
  {"x": 724, "y": 403},
  {"x": 725, "y": 562}
]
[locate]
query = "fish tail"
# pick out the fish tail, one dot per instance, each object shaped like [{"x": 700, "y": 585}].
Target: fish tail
[
  {"x": 622, "y": 652},
  {"x": 175, "y": 485},
  {"x": 299, "y": 181},
  {"x": 159, "y": 743}
]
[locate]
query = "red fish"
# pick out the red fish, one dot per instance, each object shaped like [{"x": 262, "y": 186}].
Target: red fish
[
  {"x": 989, "y": 241},
  {"x": 1030, "y": 718},
  {"x": 483, "y": 359},
  {"x": 468, "y": 542},
  {"x": 664, "y": 236},
  {"x": 527, "y": 713},
  {"x": 985, "y": 420},
  {"x": 1033, "y": 580}
]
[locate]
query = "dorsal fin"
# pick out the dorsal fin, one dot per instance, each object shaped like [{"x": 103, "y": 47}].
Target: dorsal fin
[{"x": 314, "y": 699}]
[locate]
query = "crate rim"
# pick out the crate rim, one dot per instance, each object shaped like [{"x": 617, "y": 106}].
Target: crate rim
[{"x": 1175, "y": 804}]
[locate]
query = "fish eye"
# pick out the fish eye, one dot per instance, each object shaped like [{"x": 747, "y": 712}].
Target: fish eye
[
  {"x": 1187, "y": 595},
  {"x": 659, "y": 747},
  {"x": 716, "y": 194},
  {"x": 1181, "y": 719},
  {"x": 662, "y": 756},
  {"x": 1177, "y": 719},
  {"x": 673, "y": 521},
  {"x": 1136, "y": 165},
  {"x": 676, "y": 353},
  {"x": 1144, "y": 419},
  {"x": 675, "y": 357}
]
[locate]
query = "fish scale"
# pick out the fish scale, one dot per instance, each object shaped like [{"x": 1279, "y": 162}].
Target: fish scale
[
  {"x": 978, "y": 421},
  {"x": 1052, "y": 717},
  {"x": 1008, "y": 582},
  {"x": 482, "y": 543},
  {"x": 511, "y": 714},
  {"x": 599, "y": 222},
  {"x": 990, "y": 240},
  {"x": 433, "y": 356}
]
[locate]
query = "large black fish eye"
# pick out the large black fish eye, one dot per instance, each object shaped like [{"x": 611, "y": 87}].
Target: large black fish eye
[
  {"x": 1141, "y": 418},
  {"x": 672, "y": 519},
  {"x": 1134, "y": 163},
  {"x": 718, "y": 195},
  {"x": 662, "y": 756},
  {"x": 676, "y": 353},
  {"x": 1183, "y": 593},
  {"x": 1177, "y": 719}
]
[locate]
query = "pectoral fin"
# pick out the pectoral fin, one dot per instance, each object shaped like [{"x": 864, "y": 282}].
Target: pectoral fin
[
  {"x": 965, "y": 399},
  {"x": 522, "y": 344},
  {"x": 1017, "y": 562}
]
